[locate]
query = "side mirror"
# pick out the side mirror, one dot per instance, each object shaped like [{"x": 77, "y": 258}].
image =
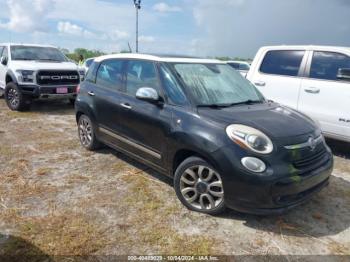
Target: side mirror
[
  {"x": 3, "y": 60},
  {"x": 344, "y": 74},
  {"x": 147, "y": 94}
]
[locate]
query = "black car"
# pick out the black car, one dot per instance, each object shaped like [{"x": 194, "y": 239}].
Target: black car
[{"x": 201, "y": 123}]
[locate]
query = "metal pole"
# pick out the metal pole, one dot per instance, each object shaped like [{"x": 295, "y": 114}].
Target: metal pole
[{"x": 137, "y": 29}]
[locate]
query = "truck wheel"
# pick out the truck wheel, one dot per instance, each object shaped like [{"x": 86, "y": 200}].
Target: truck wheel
[
  {"x": 86, "y": 132},
  {"x": 15, "y": 100},
  {"x": 199, "y": 186}
]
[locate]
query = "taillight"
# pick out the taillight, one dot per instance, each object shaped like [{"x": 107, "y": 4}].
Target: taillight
[{"x": 78, "y": 89}]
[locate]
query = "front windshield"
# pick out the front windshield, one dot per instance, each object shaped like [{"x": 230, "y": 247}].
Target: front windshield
[
  {"x": 217, "y": 84},
  {"x": 37, "y": 53}
]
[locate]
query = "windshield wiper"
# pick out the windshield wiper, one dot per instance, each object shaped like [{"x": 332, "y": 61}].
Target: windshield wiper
[
  {"x": 48, "y": 59},
  {"x": 247, "y": 102}
]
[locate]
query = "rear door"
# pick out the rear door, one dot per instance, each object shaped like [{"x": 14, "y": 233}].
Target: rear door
[
  {"x": 106, "y": 92},
  {"x": 279, "y": 75},
  {"x": 323, "y": 96}
]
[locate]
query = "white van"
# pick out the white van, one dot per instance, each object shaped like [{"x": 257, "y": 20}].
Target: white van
[{"x": 312, "y": 79}]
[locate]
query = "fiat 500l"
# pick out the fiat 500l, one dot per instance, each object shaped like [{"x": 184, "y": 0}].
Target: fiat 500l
[{"x": 201, "y": 123}]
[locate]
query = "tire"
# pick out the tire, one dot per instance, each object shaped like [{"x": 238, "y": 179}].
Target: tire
[
  {"x": 15, "y": 100},
  {"x": 72, "y": 101},
  {"x": 192, "y": 181},
  {"x": 86, "y": 133}
]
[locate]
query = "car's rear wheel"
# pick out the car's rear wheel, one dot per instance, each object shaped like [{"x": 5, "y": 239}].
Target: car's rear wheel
[
  {"x": 86, "y": 132},
  {"x": 199, "y": 186},
  {"x": 15, "y": 100}
]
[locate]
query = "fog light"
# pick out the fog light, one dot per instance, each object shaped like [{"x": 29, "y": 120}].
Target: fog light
[{"x": 253, "y": 164}]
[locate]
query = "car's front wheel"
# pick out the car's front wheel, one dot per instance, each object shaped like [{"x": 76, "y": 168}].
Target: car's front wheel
[
  {"x": 86, "y": 132},
  {"x": 15, "y": 100},
  {"x": 199, "y": 186}
]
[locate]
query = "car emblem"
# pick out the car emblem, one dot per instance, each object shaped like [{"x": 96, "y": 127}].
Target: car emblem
[{"x": 312, "y": 143}]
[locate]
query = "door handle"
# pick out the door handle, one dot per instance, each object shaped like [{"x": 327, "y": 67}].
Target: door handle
[
  {"x": 312, "y": 90},
  {"x": 260, "y": 83},
  {"x": 126, "y": 106},
  {"x": 90, "y": 93}
]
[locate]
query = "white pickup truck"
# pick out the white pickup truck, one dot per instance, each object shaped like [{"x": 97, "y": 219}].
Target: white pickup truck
[{"x": 312, "y": 79}]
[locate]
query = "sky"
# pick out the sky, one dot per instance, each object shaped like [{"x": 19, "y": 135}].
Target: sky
[{"x": 235, "y": 28}]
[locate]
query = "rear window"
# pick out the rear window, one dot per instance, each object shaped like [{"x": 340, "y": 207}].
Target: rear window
[{"x": 285, "y": 63}]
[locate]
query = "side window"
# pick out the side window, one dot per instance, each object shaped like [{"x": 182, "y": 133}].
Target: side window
[
  {"x": 5, "y": 52},
  {"x": 91, "y": 73},
  {"x": 1, "y": 48},
  {"x": 286, "y": 63},
  {"x": 110, "y": 74},
  {"x": 325, "y": 65},
  {"x": 172, "y": 88},
  {"x": 141, "y": 74}
]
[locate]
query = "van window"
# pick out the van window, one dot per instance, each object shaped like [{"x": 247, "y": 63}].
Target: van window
[
  {"x": 282, "y": 62},
  {"x": 325, "y": 65},
  {"x": 110, "y": 74}
]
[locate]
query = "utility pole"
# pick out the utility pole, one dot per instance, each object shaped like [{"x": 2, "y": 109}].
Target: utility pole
[{"x": 137, "y": 4}]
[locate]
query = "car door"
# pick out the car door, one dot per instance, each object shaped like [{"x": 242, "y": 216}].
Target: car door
[
  {"x": 143, "y": 124},
  {"x": 3, "y": 68},
  {"x": 106, "y": 94},
  {"x": 323, "y": 96},
  {"x": 278, "y": 77}
]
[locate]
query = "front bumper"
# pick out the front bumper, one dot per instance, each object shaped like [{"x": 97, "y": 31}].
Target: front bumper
[
  {"x": 280, "y": 189},
  {"x": 37, "y": 91}
]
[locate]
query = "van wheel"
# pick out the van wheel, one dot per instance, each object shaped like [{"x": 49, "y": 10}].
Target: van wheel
[
  {"x": 199, "y": 186},
  {"x": 86, "y": 132},
  {"x": 15, "y": 100}
]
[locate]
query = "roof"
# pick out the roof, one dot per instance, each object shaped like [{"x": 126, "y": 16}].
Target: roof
[
  {"x": 24, "y": 44},
  {"x": 160, "y": 58},
  {"x": 308, "y": 47}
]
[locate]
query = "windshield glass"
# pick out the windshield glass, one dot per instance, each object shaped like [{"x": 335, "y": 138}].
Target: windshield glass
[
  {"x": 217, "y": 84},
  {"x": 88, "y": 62},
  {"x": 37, "y": 53}
]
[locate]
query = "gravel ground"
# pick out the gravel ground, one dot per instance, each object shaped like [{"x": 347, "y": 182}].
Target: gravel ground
[{"x": 58, "y": 199}]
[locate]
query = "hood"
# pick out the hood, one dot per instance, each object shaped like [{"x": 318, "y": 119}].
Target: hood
[
  {"x": 38, "y": 65},
  {"x": 273, "y": 119}
]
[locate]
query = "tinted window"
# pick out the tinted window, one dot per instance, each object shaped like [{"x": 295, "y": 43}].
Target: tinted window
[
  {"x": 282, "y": 62},
  {"x": 325, "y": 65},
  {"x": 234, "y": 65},
  {"x": 91, "y": 73},
  {"x": 110, "y": 74},
  {"x": 172, "y": 88},
  {"x": 140, "y": 74},
  {"x": 89, "y": 62}
]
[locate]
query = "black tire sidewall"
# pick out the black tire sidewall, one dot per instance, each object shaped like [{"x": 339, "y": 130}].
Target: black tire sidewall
[
  {"x": 24, "y": 102},
  {"x": 193, "y": 161},
  {"x": 94, "y": 144}
]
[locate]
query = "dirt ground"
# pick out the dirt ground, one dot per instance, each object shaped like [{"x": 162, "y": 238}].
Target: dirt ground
[{"x": 59, "y": 199}]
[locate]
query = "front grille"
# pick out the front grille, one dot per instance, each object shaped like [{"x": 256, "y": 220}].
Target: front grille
[
  {"x": 312, "y": 162},
  {"x": 46, "y": 77}
]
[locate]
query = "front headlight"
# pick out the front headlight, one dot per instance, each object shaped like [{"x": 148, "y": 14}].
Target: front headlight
[
  {"x": 251, "y": 138},
  {"x": 25, "y": 76}
]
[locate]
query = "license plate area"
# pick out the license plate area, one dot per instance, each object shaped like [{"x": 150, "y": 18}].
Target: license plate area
[{"x": 61, "y": 90}]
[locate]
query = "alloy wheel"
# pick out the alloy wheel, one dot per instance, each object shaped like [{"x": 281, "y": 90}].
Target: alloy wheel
[
  {"x": 202, "y": 187},
  {"x": 13, "y": 97},
  {"x": 85, "y": 132}
]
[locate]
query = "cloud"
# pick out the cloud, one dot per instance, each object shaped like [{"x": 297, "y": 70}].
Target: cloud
[
  {"x": 146, "y": 39},
  {"x": 27, "y": 15},
  {"x": 165, "y": 8}
]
